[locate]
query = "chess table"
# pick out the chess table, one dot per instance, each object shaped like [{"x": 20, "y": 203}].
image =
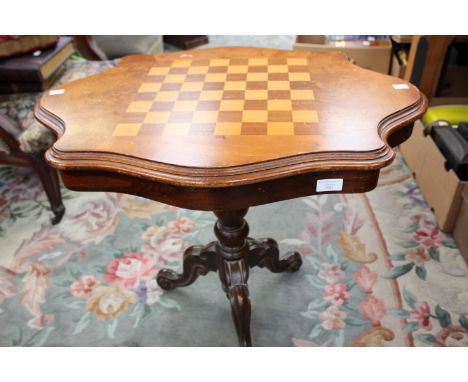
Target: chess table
[{"x": 224, "y": 130}]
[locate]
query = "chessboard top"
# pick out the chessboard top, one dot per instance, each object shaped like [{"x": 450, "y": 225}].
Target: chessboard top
[{"x": 231, "y": 115}]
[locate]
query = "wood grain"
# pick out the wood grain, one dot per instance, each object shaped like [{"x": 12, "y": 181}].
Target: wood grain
[{"x": 358, "y": 113}]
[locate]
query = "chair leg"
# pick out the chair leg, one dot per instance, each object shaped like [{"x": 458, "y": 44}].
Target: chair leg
[{"x": 50, "y": 181}]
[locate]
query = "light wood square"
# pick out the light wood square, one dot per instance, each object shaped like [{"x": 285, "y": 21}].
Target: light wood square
[
  {"x": 215, "y": 77},
  {"x": 254, "y": 116},
  {"x": 257, "y": 77},
  {"x": 166, "y": 96},
  {"x": 185, "y": 106},
  {"x": 258, "y": 61},
  {"x": 157, "y": 117},
  {"x": 158, "y": 71},
  {"x": 279, "y": 105},
  {"x": 228, "y": 128},
  {"x": 149, "y": 87},
  {"x": 174, "y": 78},
  {"x": 126, "y": 130},
  {"x": 238, "y": 69},
  {"x": 231, "y": 105},
  {"x": 279, "y": 85},
  {"x": 297, "y": 61},
  {"x": 205, "y": 116},
  {"x": 299, "y": 77},
  {"x": 211, "y": 95},
  {"x": 219, "y": 62},
  {"x": 192, "y": 86},
  {"x": 309, "y": 116},
  {"x": 198, "y": 70},
  {"x": 139, "y": 106},
  {"x": 280, "y": 128},
  {"x": 181, "y": 63},
  {"x": 235, "y": 85},
  {"x": 177, "y": 129},
  {"x": 278, "y": 69},
  {"x": 256, "y": 95},
  {"x": 302, "y": 95}
]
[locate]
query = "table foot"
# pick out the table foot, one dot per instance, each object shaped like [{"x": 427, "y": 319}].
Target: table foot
[
  {"x": 231, "y": 230},
  {"x": 198, "y": 261},
  {"x": 264, "y": 253},
  {"x": 232, "y": 256},
  {"x": 234, "y": 275}
]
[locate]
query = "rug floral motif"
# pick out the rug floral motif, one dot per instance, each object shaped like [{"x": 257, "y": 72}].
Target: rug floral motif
[{"x": 377, "y": 271}]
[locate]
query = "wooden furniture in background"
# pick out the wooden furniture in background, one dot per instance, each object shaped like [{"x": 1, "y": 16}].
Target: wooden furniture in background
[
  {"x": 87, "y": 48},
  {"x": 224, "y": 130},
  {"x": 425, "y": 62},
  {"x": 9, "y": 133},
  {"x": 185, "y": 42},
  {"x": 23, "y": 141}
]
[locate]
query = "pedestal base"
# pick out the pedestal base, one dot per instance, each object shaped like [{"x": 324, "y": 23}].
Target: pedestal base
[{"x": 232, "y": 256}]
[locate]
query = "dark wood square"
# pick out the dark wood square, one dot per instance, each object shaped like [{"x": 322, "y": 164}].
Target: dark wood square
[
  {"x": 254, "y": 128},
  {"x": 162, "y": 106},
  {"x": 230, "y": 116},
  {"x": 236, "y": 77},
  {"x": 279, "y": 116},
  {"x": 258, "y": 69},
  {"x": 233, "y": 94},
  {"x": 213, "y": 86},
  {"x": 255, "y": 105},
  {"x": 257, "y": 85},
  {"x": 178, "y": 70},
  {"x": 171, "y": 86},
  {"x": 279, "y": 94}
]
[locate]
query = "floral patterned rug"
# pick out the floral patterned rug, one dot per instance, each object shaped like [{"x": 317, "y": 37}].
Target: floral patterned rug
[{"x": 376, "y": 271}]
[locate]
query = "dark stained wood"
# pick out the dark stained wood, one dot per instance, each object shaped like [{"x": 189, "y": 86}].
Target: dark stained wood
[
  {"x": 224, "y": 130},
  {"x": 50, "y": 181},
  {"x": 185, "y": 42},
  {"x": 218, "y": 198},
  {"x": 9, "y": 133},
  {"x": 231, "y": 230},
  {"x": 232, "y": 255},
  {"x": 198, "y": 261},
  {"x": 264, "y": 253}
]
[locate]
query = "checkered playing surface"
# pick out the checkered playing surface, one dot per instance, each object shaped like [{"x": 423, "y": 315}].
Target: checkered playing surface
[{"x": 256, "y": 96}]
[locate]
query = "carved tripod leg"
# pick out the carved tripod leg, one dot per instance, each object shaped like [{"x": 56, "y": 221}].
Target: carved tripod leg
[
  {"x": 264, "y": 253},
  {"x": 231, "y": 230},
  {"x": 198, "y": 260}
]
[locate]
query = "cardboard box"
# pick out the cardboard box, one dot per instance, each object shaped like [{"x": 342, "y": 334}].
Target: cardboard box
[
  {"x": 440, "y": 187},
  {"x": 460, "y": 232},
  {"x": 374, "y": 55}
]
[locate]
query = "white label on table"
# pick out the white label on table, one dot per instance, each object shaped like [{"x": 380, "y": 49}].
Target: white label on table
[
  {"x": 324, "y": 185},
  {"x": 57, "y": 91},
  {"x": 400, "y": 86}
]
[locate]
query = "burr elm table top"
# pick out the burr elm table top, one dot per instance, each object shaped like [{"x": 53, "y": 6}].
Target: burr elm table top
[{"x": 226, "y": 117}]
